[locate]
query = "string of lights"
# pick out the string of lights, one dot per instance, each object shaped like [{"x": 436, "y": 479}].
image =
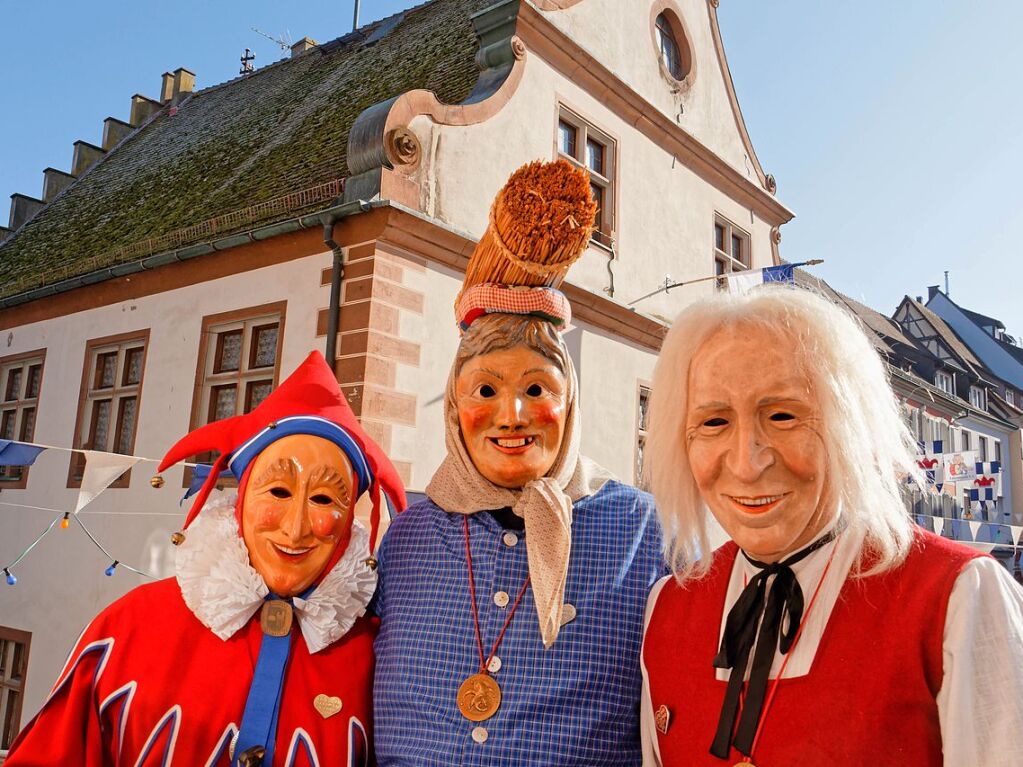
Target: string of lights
[{"x": 63, "y": 519}]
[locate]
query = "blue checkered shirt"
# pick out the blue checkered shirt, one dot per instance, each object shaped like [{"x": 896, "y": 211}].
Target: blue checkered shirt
[{"x": 574, "y": 704}]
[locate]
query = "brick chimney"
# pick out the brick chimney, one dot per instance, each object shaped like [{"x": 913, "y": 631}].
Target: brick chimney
[
  {"x": 114, "y": 132},
  {"x": 184, "y": 84},
  {"x": 54, "y": 182},
  {"x": 166, "y": 87},
  {"x": 23, "y": 208},
  {"x": 142, "y": 108},
  {"x": 303, "y": 45},
  {"x": 86, "y": 155}
]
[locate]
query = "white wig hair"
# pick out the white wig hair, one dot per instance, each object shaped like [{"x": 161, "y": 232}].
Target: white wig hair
[{"x": 870, "y": 453}]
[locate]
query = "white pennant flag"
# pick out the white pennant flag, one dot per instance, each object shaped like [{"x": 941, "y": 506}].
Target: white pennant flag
[
  {"x": 939, "y": 524},
  {"x": 100, "y": 470},
  {"x": 1016, "y": 530},
  {"x": 974, "y": 527}
]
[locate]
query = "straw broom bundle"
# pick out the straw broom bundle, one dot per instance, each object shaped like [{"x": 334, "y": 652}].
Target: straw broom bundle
[{"x": 540, "y": 224}]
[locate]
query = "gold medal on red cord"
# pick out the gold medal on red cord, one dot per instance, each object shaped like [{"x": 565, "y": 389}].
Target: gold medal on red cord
[{"x": 479, "y": 697}]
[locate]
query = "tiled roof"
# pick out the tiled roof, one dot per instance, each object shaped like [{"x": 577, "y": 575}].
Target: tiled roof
[
  {"x": 280, "y": 130},
  {"x": 885, "y": 331},
  {"x": 951, "y": 339}
]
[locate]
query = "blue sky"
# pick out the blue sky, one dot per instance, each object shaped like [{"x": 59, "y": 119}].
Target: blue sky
[{"x": 894, "y": 129}]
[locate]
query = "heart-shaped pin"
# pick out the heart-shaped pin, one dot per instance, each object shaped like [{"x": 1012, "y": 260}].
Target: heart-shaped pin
[{"x": 326, "y": 705}]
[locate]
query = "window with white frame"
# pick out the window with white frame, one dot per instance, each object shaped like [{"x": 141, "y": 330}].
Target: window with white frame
[
  {"x": 642, "y": 411},
  {"x": 981, "y": 448},
  {"x": 731, "y": 249},
  {"x": 1010, "y": 397},
  {"x": 998, "y": 450},
  {"x": 111, "y": 394},
  {"x": 589, "y": 148},
  {"x": 944, "y": 382},
  {"x": 967, "y": 440},
  {"x": 14, "y": 645},
  {"x": 978, "y": 397},
  {"x": 21, "y": 378}
]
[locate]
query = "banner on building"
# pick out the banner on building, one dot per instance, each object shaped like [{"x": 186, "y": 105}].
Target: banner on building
[{"x": 960, "y": 467}]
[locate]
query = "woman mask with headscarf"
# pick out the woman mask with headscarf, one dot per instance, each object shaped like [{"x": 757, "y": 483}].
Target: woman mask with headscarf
[{"x": 516, "y": 523}]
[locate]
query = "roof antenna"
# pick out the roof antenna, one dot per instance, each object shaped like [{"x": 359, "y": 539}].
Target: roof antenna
[
  {"x": 946, "y": 282},
  {"x": 284, "y": 43},
  {"x": 355, "y": 21}
]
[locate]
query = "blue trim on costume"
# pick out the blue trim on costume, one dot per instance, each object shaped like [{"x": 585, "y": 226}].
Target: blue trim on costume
[{"x": 304, "y": 424}]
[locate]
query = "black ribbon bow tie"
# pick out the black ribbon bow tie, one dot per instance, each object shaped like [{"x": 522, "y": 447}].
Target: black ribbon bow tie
[{"x": 785, "y": 600}]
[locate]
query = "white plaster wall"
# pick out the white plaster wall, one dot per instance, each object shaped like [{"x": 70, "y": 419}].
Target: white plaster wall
[
  {"x": 665, "y": 212},
  {"x": 610, "y": 372},
  {"x": 61, "y": 585},
  {"x": 618, "y": 34}
]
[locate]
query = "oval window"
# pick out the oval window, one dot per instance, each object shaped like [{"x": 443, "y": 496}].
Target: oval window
[{"x": 671, "y": 55}]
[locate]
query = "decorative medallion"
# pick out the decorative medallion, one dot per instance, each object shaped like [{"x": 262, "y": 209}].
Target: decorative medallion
[
  {"x": 327, "y": 705},
  {"x": 479, "y": 697},
  {"x": 275, "y": 618},
  {"x": 662, "y": 719}
]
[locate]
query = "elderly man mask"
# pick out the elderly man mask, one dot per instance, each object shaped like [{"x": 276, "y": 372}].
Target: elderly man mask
[{"x": 773, "y": 412}]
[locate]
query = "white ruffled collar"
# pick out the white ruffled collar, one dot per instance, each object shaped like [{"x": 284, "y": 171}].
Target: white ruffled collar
[{"x": 223, "y": 590}]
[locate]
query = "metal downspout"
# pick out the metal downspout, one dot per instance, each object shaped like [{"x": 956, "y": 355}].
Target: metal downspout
[{"x": 333, "y": 312}]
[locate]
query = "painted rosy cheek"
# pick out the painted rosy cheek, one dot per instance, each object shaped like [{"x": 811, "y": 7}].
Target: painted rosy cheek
[
  {"x": 547, "y": 415},
  {"x": 268, "y": 515},
  {"x": 475, "y": 417},
  {"x": 325, "y": 523}
]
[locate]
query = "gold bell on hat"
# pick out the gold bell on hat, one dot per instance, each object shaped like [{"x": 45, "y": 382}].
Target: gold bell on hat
[
  {"x": 371, "y": 563},
  {"x": 178, "y": 538},
  {"x": 156, "y": 481}
]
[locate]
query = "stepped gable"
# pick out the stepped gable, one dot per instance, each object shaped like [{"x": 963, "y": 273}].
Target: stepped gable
[{"x": 279, "y": 130}]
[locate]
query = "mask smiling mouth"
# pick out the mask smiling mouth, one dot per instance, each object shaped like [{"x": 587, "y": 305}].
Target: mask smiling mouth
[
  {"x": 512, "y": 445},
  {"x": 289, "y": 553},
  {"x": 756, "y": 504}
]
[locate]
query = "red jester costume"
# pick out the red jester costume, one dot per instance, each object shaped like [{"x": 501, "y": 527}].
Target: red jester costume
[{"x": 258, "y": 651}]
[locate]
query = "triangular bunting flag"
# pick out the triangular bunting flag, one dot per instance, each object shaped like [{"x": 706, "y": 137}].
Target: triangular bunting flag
[
  {"x": 100, "y": 470},
  {"x": 1016, "y": 530},
  {"x": 939, "y": 525},
  {"x": 18, "y": 453},
  {"x": 975, "y": 528}
]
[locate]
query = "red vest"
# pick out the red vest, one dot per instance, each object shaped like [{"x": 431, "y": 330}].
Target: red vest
[{"x": 869, "y": 698}]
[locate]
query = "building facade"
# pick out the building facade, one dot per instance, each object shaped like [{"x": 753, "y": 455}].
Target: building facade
[{"x": 188, "y": 264}]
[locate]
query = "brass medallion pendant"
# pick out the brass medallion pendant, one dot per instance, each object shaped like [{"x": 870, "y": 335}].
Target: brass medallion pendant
[{"x": 479, "y": 697}]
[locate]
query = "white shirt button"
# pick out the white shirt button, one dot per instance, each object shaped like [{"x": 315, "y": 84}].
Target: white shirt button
[
  {"x": 480, "y": 734},
  {"x": 501, "y": 599},
  {"x": 495, "y": 665},
  {"x": 510, "y": 539}
]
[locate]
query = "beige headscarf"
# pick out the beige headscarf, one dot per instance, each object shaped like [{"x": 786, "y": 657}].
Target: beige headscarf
[{"x": 545, "y": 504}]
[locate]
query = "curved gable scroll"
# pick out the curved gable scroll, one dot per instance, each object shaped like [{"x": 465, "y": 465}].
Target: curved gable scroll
[{"x": 380, "y": 138}]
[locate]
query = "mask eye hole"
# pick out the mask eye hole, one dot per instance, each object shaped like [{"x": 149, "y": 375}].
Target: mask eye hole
[
  {"x": 715, "y": 422},
  {"x": 487, "y": 391},
  {"x": 779, "y": 417},
  {"x": 321, "y": 499},
  {"x": 280, "y": 492},
  {"x": 534, "y": 390}
]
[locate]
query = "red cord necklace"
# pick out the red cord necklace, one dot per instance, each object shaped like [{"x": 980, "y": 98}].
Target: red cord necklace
[
  {"x": 479, "y": 696},
  {"x": 748, "y": 759}
]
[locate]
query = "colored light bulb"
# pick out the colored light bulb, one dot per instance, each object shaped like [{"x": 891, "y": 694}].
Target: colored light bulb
[
  {"x": 11, "y": 580},
  {"x": 110, "y": 570},
  {"x": 65, "y": 522}
]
